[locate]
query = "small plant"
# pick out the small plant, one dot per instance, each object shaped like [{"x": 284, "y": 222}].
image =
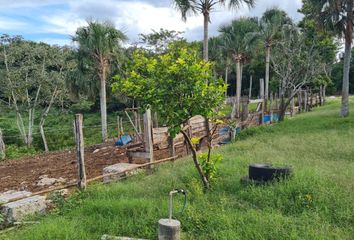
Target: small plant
[
  {"x": 2, "y": 219},
  {"x": 57, "y": 199},
  {"x": 210, "y": 164}
]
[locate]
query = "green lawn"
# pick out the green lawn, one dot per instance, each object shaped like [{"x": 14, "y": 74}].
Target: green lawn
[{"x": 317, "y": 203}]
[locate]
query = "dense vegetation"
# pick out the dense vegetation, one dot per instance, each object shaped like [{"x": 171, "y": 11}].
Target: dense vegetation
[{"x": 315, "y": 204}]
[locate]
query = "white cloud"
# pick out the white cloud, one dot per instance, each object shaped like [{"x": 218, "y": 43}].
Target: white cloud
[
  {"x": 62, "y": 23},
  {"x": 131, "y": 16},
  {"x": 11, "y": 24}
]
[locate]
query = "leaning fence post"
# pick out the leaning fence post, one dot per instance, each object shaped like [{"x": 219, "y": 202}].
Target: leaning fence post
[
  {"x": 79, "y": 138},
  {"x": 2, "y": 147}
]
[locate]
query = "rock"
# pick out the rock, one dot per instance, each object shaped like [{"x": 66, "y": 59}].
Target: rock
[
  {"x": 96, "y": 151},
  {"x": 45, "y": 181},
  {"x": 11, "y": 195},
  {"x": 61, "y": 180},
  {"x": 120, "y": 169},
  {"x": 19, "y": 210},
  {"x": 63, "y": 192}
]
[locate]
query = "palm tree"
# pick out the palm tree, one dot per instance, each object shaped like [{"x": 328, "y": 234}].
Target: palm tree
[
  {"x": 205, "y": 7},
  {"x": 269, "y": 27},
  {"x": 336, "y": 16},
  {"x": 237, "y": 43},
  {"x": 99, "y": 42}
]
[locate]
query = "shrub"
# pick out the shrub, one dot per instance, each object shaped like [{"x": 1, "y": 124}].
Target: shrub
[{"x": 210, "y": 167}]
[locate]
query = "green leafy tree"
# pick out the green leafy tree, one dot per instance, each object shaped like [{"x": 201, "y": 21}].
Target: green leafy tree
[
  {"x": 205, "y": 7},
  {"x": 177, "y": 85},
  {"x": 335, "y": 16},
  {"x": 99, "y": 44},
  {"x": 158, "y": 41},
  {"x": 31, "y": 80}
]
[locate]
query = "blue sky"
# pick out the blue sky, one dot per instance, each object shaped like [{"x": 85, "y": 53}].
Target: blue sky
[{"x": 53, "y": 21}]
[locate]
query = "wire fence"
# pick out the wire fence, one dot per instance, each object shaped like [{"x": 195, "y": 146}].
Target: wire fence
[{"x": 62, "y": 137}]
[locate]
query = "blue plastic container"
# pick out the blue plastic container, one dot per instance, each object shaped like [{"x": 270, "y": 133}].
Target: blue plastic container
[
  {"x": 123, "y": 140},
  {"x": 266, "y": 118}
]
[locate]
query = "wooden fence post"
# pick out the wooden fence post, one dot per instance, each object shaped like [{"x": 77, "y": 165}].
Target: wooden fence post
[
  {"x": 171, "y": 146},
  {"x": 118, "y": 126},
  {"x": 2, "y": 147},
  {"x": 79, "y": 137},
  {"x": 148, "y": 144},
  {"x": 262, "y": 95},
  {"x": 305, "y": 101},
  {"x": 271, "y": 107},
  {"x": 250, "y": 90},
  {"x": 299, "y": 101}
]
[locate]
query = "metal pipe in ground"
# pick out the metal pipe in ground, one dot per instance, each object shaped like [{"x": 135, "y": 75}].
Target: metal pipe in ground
[{"x": 170, "y": 229}]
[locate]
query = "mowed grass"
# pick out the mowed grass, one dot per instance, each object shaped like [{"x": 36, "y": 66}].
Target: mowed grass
[{"x": 317, "y": 203}]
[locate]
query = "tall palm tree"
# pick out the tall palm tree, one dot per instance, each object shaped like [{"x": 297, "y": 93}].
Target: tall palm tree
[
  {"x": 336, "y": 16},
  {"x": 269, "y": 27},
  {"x": 237, "y": 43},
  {"x": 99, "y": 42},
  {"x": 205, "y": 7}
]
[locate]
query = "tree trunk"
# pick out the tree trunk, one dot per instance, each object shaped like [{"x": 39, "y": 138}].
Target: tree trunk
[
  {"x": 299, "y": 100},
  {"x": 345, "y": 85},
  {"x": 44, "y": 116},
  {"x": 206, "y": 38},
  {"x": 2, "y": 147},
  {"x": 266, "y": 87},
  {"x": 238, "y": 86},
  {"x": 292, "y": 106},
  {"x": 103, "y": 105},
  {"x": 250, "y": 90},
  {"x": 276, "y": 100},
  {"x": 282, "y": 109},
  {"x": 195, "y": 160},
  {"x": 226, "y": 79}
]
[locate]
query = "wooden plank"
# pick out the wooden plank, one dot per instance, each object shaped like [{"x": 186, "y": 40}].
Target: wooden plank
[
  {"x": 79, "y": 137},
  {"x": 160, "y": 130}
]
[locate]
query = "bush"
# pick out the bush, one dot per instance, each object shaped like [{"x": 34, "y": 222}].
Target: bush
[
  {"x": 210, "y": 166},
  {"x": 82, "y": 106},
  {"x": 13, "y": 151}
]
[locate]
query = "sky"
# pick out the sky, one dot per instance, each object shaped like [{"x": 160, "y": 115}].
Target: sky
[{"x": 55, "y": 21}]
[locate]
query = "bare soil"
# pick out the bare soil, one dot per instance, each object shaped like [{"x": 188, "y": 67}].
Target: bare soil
[{"x": 24, "y": 173}]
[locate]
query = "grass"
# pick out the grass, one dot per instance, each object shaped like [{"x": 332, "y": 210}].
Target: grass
[{"x": 317, "y": 203}]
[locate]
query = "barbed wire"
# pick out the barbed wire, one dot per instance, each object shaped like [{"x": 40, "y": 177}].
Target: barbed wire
[{"x": 60, "y": 130}]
